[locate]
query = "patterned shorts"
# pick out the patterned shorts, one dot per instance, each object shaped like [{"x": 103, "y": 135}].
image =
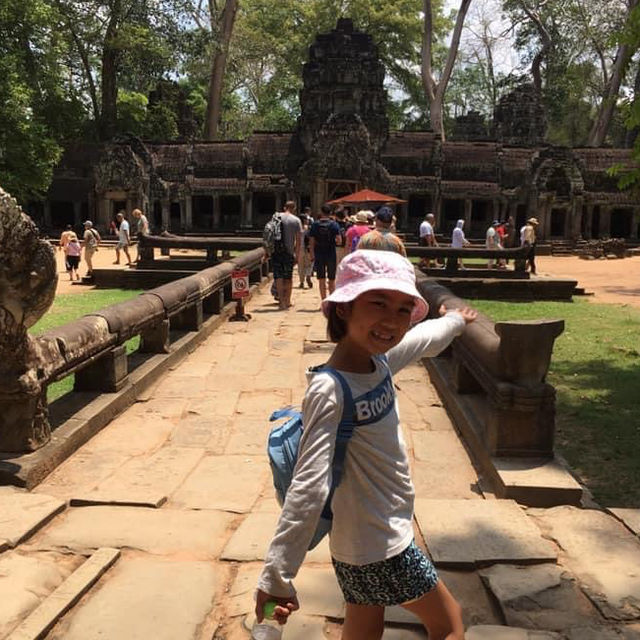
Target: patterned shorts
[{"x": 405, "y": 577}]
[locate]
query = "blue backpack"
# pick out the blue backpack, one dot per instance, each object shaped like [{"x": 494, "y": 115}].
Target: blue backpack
[{"x": 284, "y": 439}]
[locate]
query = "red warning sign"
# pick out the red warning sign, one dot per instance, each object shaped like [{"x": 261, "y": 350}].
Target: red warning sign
[{"x": 240, "y": 283}]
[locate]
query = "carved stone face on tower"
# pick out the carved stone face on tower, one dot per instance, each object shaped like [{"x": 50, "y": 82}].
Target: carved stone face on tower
[{"x": 343, "y": 85}]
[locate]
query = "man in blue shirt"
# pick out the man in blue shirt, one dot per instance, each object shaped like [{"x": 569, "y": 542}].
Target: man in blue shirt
[{"x": 322, "y": 243}]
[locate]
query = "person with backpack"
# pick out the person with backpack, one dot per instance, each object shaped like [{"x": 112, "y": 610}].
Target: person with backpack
[
  {"x": 357, "y": 230},
  {"x": 374, "y": 318},
  {"x": 91, "y": 241},
  {"x": 281, "y": 238},
  {"x": 323, "y": 236}
]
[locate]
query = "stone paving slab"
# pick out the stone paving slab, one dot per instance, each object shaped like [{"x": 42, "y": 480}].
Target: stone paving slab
[
  {"x": 65, "y": 596},
  {"x": 497, "y": 632},
  {"x": 467, "y": 533},
  {"x": 23, "y": 513},
  {"x": 251, "y": 540},
  {"x": 145, "y": 598},
  {"x": 227, "y": 483},
  {"x": 209, "y": 433},
  {"x": 630, "y": 518},
  {"x": 158, "y": 531},
  {"x": 145, "y": 481},
  {"x": 262, "y": 402},
  {"x": 402, "y": 633},
  {"x": 249, "y": 435},
  {"x": 451, "y": 462},
  {"x": 539, "y": 597},
  {"x": 176, "y": 385},
  {"x": 25, "y": 580},
  {"x": 603, "y": 555},
  {"x": 214, "y": 403},
  {"x": 298, "y": 627}
]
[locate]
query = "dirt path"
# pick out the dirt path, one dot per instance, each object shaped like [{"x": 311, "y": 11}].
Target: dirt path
[{"x": 612, "y": 281}]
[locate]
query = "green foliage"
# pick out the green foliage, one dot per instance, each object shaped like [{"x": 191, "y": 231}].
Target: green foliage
[{"x": 595, "y": 371}]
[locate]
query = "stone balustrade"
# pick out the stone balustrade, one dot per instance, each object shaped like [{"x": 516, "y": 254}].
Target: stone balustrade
[
  {"x": 494, "y": 377},
  {"x": 93, "y": 347}
]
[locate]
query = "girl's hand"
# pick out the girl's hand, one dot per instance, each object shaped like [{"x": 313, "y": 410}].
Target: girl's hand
[
  {"x": 468, "y": 314},
  {"x": 285, "y": 606}
]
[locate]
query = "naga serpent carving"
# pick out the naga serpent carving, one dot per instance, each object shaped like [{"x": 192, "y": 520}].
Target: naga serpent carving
[{"x": 28, "y": 281}]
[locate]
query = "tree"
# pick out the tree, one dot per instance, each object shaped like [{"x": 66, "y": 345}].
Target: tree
[{"x": 435, "y": 89}]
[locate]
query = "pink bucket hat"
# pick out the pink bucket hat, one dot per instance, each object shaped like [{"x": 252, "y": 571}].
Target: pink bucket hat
[{"x": 366, "y": 270}]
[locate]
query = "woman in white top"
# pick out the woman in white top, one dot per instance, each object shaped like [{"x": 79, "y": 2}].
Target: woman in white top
[{"x": 458, "y": 240}]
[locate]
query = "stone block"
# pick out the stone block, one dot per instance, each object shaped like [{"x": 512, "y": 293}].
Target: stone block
[
  {"x": 200, "y": 534},
  {"x": 601, "y": 553},
  {"x": 251, "y": 540},
  {"x": 209, "y": 486},
  {"x": 467, "y": 533},
  {"x": 153, "y": 598},
  {"x": 539, "y": 597},
  {"x": 155, "y": 339},
  {"x": 629, "y": 517},
  {"x": 22, "y": 514},
  {"x": 107, "y": 374},
  {"x": 497, "y": 632}
]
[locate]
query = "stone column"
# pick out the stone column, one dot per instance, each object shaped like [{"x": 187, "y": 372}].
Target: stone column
[
  {"x": 588, "y": 222},
  {"x": 317, "y": 197},
  {"x": 403, "y": 212},
  {"x": 468, "y": 207},
  {"x": 605, "y": 222},
  {"x": 77, "y": 213},
  {"x": 166, "y": 214},
  {"x": 575, "y": 224},
  {"x": 246, "y": 214},
  {"x": 130, "y": 206},
  {"x": 104, "y": 213},
  {"x": 437, "y": 208},
  {"x": 280, "y": 201},
  {"x": 545, "y": 223},
  {"x": 188, "y": 212},
  {"x": 46, "y": 206},
  {"x": 216, "y": 211}
]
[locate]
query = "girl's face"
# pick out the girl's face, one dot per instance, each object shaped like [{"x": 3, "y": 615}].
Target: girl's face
[{"x": 377, "y": 320}]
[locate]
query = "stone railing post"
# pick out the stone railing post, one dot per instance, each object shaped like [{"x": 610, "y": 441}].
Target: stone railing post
[{"x": 28, "y": 281}]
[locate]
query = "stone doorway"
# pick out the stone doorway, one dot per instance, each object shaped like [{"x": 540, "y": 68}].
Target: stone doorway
[
  {"x": 621, "y": 223},
  {"x": 452, "y": 211},
  {"x": 203, "y": 212},
  {"x": 230, "y": 212},
  {"x": 62, "y": 214},
  {"x": 558, "y": 222},
  {"x": 418, "y": 206},
  {"x": 175, "y": 222},
  {"x": 481, "y": 211}
]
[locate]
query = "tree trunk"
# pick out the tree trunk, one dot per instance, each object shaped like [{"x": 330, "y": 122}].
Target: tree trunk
[
  {"x": 632, "y": 134},
  {"x": 435, "y": 90},
  {"x": 110, "y": 54},
  {"x": 600, "y": 127},
  {"x": 219, "y": 63}
]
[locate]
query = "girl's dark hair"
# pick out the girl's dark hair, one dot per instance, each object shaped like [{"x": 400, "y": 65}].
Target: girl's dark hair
[{"x": 336, "y": 326}]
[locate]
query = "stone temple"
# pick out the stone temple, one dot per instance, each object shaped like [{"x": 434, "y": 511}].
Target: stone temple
[{"x": 342, "y": 142}]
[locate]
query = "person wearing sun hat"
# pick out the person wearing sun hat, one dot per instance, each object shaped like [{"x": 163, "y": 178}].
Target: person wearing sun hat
[
  {"x": 528, "y": 239},
  {"x": 374, "y": 318},
  {"x": 360, "y": 227}
]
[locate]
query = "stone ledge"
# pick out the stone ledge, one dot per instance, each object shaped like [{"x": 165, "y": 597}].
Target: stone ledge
[
  {"x": 29, "y": 469},
  {"x": 530, "y": 481}
]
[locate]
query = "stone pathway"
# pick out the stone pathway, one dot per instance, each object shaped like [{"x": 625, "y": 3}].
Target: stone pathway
[{"x": 156, "y": 528}]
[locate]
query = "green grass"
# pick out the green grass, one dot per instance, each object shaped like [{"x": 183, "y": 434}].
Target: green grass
[
  {"x": 71, "y": 306},
  {"x": 596, "y": 371}
]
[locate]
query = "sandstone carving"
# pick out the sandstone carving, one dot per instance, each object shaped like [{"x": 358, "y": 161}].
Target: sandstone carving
[{"x": 27, "y": 287}]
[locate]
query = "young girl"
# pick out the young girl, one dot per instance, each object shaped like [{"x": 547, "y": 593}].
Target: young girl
[
  {"x": 376, "y": 561},
  {"x": 72, "y": 252}
]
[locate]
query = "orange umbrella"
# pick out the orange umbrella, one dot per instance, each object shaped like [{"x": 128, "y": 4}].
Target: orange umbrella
[{"x": 367, "y": 196}]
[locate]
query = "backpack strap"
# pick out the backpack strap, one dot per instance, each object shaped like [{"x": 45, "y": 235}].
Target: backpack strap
[{"x": 343, "y": 435}]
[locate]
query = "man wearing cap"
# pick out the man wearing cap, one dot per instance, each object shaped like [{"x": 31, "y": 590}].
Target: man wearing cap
[
  {"x": 382, "y": 238},
  {"x": 324, "y": 234},
  {"x": 528, "y": 239},
  {"x": 427, "y": 236},
  {"x": 90, "y": 240},
  {"x": 354, "y": 233},
  {"x": 492, "y": 241}
]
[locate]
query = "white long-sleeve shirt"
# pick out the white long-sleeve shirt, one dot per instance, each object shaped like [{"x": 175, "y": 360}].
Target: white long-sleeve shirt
[{"x": 373, "y": 504}]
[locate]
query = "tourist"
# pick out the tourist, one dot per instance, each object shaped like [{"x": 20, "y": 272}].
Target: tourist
[
  {"x": 305, "y": 263},
  {"x": 72, "y": 251},
  {"x": 382, "y": 238},
  {"x": 324, "y": 235},
  {"x": 459, "y": 241},
  {"x": 370, "y": 318},
  {"x": 528, "y": 239},
  {"x": 427, "y": 237},
  {"x": 285, "y": 254},
  {"x": 341, "y": 221},
  {"x": 142, "y": 227},
  {"x": 91, "y": 242},
  {"x": 492, "y": 241},
  {"x": 359, "y": 228},
  {"x": 113, "y": 228},
  {"x": 64, "y": 237},
  {"x": 124, "y": 239}
]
